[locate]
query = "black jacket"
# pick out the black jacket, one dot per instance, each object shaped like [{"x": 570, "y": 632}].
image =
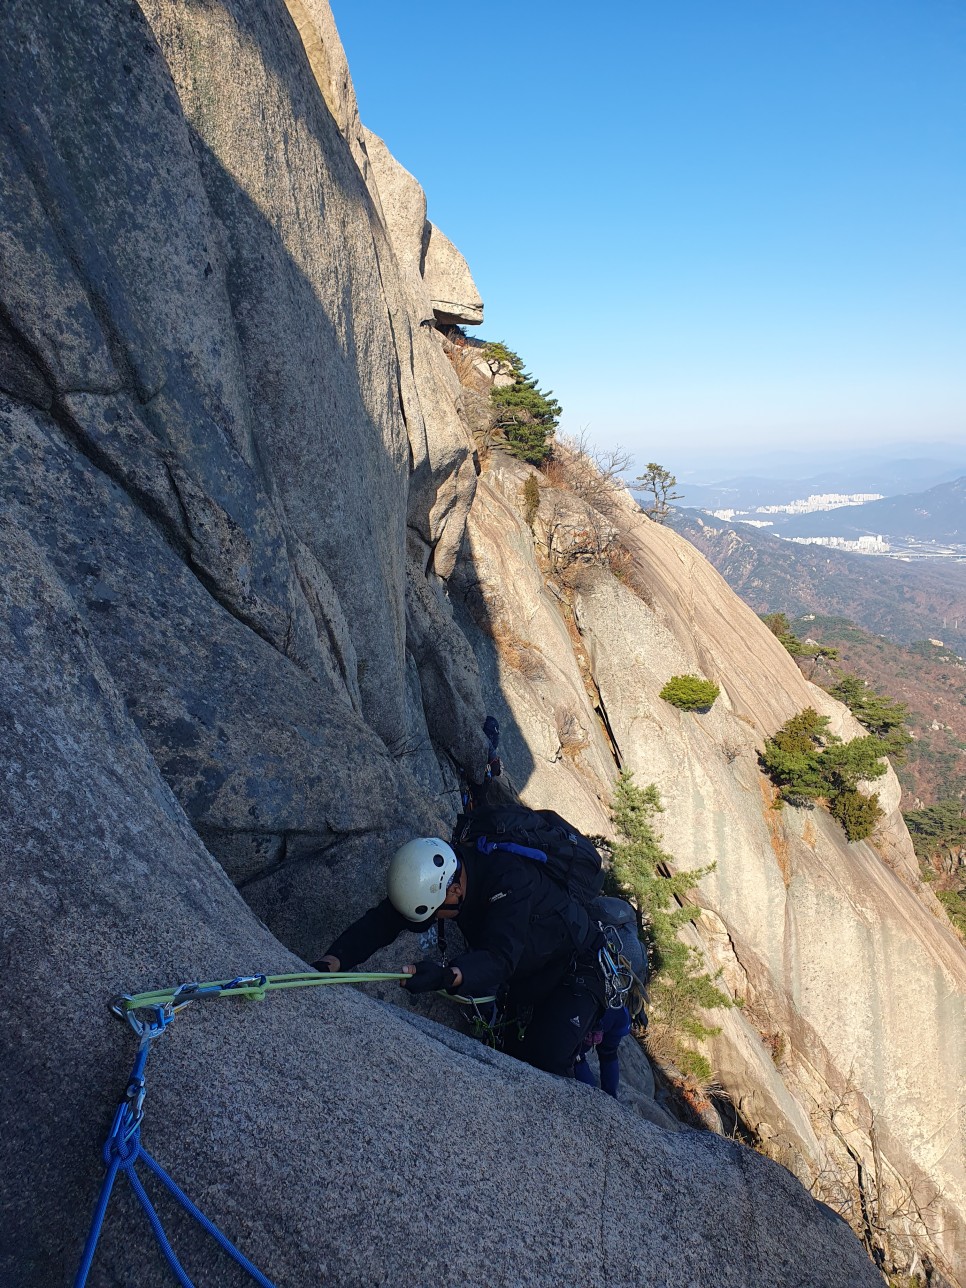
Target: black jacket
[{"x": 523, "y": 928}]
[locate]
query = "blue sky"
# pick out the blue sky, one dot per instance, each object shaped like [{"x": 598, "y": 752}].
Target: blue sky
[{"x": 703, "y": 225}]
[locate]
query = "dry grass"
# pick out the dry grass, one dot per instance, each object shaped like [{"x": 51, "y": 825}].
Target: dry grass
[
  {"x": 596, "y": 477},
  {"x": 464, "y": 355},
  {"x": 776, "y": 830},
  {"x": 519, "y": 654},
  {"x": 554, "y": 473},
  {"x": 570, "y": 732},
  {"x": 578, "y": 576},
  {"x": 692, "y": 1094},
  {"x": 588, "y": 535},
  {"x": 629, "y": 572}
]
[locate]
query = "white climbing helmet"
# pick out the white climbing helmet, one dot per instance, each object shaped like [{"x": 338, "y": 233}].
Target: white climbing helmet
[{"x": 419, "y": 873}]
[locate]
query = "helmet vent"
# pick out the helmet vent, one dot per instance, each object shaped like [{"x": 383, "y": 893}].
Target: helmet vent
[
  {"x": 438, "y": 860},
  {"x": 421, "y": 908}
]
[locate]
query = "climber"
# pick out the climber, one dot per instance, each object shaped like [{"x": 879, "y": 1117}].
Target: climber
[
  {"x": 530, "y": 943},
  {"x": 611, "y": 1029}
]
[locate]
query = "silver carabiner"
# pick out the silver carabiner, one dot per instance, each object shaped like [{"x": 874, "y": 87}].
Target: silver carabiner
[{"x": 617, "y": 980}]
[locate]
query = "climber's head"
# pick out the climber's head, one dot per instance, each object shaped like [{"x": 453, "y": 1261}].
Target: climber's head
[{"x": 424, "y": 878}]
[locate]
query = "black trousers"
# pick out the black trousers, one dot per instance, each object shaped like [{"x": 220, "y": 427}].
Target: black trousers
[{"x": 554, "y": 1026}]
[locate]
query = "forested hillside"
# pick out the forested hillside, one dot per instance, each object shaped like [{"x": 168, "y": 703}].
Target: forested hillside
[
  {"x": 930, "y": 681},
  {"x": 906, "y": 602}
]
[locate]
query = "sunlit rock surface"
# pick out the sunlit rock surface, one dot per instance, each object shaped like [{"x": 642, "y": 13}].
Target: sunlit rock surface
[
  {"x": 852, "y": 1030},
  {"x": 240, "y": 543}
]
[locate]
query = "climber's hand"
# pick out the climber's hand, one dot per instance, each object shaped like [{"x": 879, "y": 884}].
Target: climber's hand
[{"x": 428, "y": 977}]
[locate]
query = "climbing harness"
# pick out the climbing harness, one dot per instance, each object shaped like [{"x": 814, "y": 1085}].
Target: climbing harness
[
  {"x": 484, "y": 1018},
  {"x": 148, "y": 1015},
  {"x": 482, "y": 1014}
]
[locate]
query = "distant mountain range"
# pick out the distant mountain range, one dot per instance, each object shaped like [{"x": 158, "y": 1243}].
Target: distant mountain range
[
  {"x": 938, "y": 514},
  {"x": 905, "y": 602},
  {"x": 893, "y": 467},
  {"x": 892, "y": 478}
]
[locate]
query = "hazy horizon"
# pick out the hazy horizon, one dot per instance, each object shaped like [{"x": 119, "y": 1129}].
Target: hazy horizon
[{"x": 790, "y": 461}]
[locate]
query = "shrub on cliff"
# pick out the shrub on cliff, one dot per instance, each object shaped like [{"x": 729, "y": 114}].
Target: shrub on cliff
[
  {"x": 531, "y": 499},
  {"x": 807, "y": 762},
  {"x": 779, "y": 626},
  {"x": 857, "y": 813},
  {"x": 881, "y": 715},
  {"x": 680, "y": 991},
  {"x": 690, "y": 693}
]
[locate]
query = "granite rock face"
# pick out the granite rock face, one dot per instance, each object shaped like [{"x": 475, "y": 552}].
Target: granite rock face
[
  {"x": 177, "y": 308},
  {"x": 293, "y": 1123},
  {"x": 235, "y": 479},
  {"x": 443, "y": 473},
  {"x": 852, "y": 1030}
]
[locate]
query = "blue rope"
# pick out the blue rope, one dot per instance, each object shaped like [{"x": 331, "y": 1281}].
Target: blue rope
[
  {"x": 98, "y": 1220},
  {"x": 123, "y": 1148},
  {"x": 205, "y": 1221},
  {"x": 156, "y": 1226}
]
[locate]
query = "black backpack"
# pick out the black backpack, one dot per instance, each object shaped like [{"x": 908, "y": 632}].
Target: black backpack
[{"x": 538, "y": 834}]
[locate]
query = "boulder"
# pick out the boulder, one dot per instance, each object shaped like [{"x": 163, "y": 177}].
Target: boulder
[{"x": 451, "y": 288}]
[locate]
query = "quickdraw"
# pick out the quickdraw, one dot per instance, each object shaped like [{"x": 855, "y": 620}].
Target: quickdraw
[
  {"x": 484, "y": 1017},
  {"x": 148, "y": 1015},
  {"x": 123, "y": 1150},
  {"x": 619, "y": 979}
]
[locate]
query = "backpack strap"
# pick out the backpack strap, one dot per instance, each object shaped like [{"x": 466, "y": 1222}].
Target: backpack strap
[{"x": 486, "y": 846}]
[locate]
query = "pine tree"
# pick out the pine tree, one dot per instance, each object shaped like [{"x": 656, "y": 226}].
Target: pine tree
[
  {"x": 526, "y": 415},
  {"x": 807, "y": 763},
  {"x": 661, "y": 484},
  {"x": 881, "y": 715},
  {"x": 679, "y": 989}
]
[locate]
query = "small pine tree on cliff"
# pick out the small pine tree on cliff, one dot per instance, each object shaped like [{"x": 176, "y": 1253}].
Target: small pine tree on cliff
[
  {"x": 679, "y": 989},
  {"x": 690, "y": 693},
  {"x": 526, "y": 415},
  {"x": 661, "y": 484}
]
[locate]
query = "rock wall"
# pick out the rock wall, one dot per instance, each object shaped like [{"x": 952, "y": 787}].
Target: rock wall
[
  {"x": 315, "y": 1129},
  {"x": 845, "y": 967},
  {"x": 236, "y": 473}
]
